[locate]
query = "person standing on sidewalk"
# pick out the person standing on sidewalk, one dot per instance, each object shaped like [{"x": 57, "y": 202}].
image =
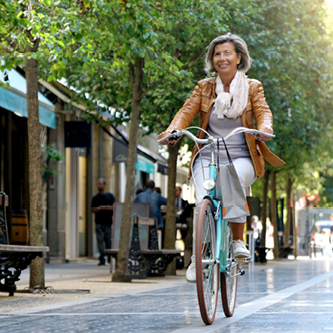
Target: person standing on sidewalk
[
  {"x": 102, "y": 207},
  {"x": 182, "y": 207},
  {"x": 155, "y": 200}
]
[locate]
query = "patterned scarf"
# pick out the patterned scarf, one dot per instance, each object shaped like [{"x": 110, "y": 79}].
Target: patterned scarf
[{"x": 231, "y": 105}]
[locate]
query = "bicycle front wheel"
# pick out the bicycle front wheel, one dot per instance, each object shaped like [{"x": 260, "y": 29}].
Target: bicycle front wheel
[
  {"x": 229, "y": 279},
  {"x": 207, "y": 270}
]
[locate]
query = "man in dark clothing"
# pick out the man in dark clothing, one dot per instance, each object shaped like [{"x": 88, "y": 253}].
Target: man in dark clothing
[
  {"x": 182, "y": 207},
  {"x": 155, "y": 200},
  {"x": 102, "y": 207}
]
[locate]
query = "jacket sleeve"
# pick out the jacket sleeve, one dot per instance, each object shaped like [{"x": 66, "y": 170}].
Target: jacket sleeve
[
  {"x": 261, "y": 111},
  {"x": 162, "y": 200},
  {"x": 186, "y": 114}
]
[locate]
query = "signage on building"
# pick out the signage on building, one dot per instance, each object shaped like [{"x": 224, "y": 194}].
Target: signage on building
[
  {"x": 161, "y": 168},
  {"x": 77, "y": 134},
  {"x": 120, "y": 151},
  {"x": 144, "y": 166}
]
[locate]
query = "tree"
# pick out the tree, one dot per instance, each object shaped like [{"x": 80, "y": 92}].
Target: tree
[
  {"x": 127, "y": 35},
  {"x": 283, "y": 38},
  {"x": 188, "y": 45},
  {"x": 30, "y": 29},
  {"x": 19, "y": 17}
]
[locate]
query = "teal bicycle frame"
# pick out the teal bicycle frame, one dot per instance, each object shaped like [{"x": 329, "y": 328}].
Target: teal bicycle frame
[{"x": 221, "y": 225}]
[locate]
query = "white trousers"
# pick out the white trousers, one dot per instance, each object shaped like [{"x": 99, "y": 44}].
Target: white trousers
[{"x": 246, "y": 174}]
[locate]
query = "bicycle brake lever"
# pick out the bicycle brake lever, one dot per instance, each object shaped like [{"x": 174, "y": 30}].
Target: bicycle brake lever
[
  {"x": 176, "y": 135},
  {"x": 217, "y": 210}
]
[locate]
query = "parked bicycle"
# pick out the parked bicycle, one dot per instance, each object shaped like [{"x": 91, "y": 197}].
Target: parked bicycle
[{"x": 216, "y": 267}]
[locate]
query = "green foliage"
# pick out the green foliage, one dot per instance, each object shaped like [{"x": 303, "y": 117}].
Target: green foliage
[
  {"x": 52, "y": 153},
  {"x": 93, "y": 45},
  {"x": 292, "y": 53}
]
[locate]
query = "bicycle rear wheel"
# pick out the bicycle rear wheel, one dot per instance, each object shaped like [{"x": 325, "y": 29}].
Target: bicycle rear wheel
[
  {"x": 207, "y": 270},
  {"x": 229, "y": 279}
]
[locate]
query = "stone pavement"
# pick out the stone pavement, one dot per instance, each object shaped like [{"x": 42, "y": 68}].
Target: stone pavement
[{"x": 280, "y": 296}]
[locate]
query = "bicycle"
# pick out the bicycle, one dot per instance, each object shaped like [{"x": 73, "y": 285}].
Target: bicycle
[{"x": 214, "y": 249}]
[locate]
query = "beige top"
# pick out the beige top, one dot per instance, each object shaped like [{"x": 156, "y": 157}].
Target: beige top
[{"x": 219, "y": 128}]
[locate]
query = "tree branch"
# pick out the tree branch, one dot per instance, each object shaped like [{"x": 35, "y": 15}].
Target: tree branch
[
  {"x": 116, "y": 16},
  {"x": 166, "y": 70}
]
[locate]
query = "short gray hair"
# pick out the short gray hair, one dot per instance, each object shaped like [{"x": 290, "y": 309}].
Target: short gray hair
[
  {"x": 102, "y": 180},
  {"x": 240, "y": 47}
]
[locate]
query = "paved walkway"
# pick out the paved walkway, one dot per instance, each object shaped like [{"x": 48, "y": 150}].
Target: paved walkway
[{"x": 283, "y": 296}]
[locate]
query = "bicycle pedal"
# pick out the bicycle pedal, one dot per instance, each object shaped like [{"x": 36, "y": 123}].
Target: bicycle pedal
[
  {"x": 243, "y": 260},
  {"x": 241, "y": 272}
]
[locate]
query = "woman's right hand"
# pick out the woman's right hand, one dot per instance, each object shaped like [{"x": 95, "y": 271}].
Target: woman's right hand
[{"x": 166, "y": 142}]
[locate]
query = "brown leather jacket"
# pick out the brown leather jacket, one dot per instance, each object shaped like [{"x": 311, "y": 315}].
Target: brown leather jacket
[{"x": 202, "y": 101}]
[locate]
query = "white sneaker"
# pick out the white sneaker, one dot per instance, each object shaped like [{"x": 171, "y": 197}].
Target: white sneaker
[
  {"x": 190, "y": 273},
  {"x": 240, "y": 251}
]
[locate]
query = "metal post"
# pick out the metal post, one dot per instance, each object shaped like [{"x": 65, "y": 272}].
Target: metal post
[{"x": 251, "y": 248}]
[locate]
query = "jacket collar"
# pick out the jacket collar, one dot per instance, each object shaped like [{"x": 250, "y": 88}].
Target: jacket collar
[{"x": 212, "y": 81}]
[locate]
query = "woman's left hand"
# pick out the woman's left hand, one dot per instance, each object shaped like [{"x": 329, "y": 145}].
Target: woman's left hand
[{"x": 261, "y": 137}]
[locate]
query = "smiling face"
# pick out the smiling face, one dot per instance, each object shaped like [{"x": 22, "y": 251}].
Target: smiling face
[{"x": 226, "y": 60}]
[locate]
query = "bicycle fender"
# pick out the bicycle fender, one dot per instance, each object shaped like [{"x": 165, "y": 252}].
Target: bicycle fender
[
  {"x": 213, "y": 201},
  {"x": 208, "y": 197}
]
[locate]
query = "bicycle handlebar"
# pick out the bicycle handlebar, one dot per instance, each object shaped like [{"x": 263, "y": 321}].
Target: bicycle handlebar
[{"x": 176, "y": 134}]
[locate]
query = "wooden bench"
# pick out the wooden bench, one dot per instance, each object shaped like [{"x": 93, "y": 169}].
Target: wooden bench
[
  {"x": 145, "y": 258},
  {"x": 13, "y": 258}
]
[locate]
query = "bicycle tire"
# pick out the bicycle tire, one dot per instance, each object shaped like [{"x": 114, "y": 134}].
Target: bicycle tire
[
  {"x": 228, "y": 282},
  {"x": 207, "y": 273}
]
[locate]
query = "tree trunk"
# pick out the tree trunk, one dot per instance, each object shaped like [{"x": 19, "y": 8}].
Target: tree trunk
[
  {"x": 37, "y": 278},
  {"x": 274, "y": 215},
  {"x": 294, "y": 226},
  {"x": 121, "y": 274},
  {"x": 264, "y": 209},
  {"x": 170, "y": 222},
  {"x": 286, "y": 234}
]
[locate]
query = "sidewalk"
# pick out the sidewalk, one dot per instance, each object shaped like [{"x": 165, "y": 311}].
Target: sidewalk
[
  {"x": 81, "y": 277},
  {"x": 285, "y": 296}
]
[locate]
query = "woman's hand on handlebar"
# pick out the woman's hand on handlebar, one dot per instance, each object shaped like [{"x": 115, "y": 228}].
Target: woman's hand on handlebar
[
  {"x": 170, "y": 138},
  {"x": 261, "y": 137},
  {"x": 168, "y": 142}
]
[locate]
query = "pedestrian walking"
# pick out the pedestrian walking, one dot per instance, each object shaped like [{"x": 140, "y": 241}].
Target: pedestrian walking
[
  {"x": 155, "y": 200},
  {"x": 102, "y": 207},
  {"x": 225, "y": 102}
]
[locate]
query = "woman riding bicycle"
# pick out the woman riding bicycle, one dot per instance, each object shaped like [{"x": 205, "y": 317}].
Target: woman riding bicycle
[{"x": 225, "y": 102}]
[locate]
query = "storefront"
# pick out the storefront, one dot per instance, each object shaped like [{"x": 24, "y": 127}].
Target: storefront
[{"x": 14, "y": 141}]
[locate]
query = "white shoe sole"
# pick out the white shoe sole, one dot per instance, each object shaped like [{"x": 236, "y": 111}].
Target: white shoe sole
[
  {"x": 242, "y": 256},
  {"x": 190, "y": 281}
]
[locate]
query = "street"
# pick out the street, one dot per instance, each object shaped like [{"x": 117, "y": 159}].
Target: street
[{"x": 284, "y": 295}]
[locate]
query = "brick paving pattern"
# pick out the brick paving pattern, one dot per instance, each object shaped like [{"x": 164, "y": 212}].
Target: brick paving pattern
[{"x": 175, "y": 308}]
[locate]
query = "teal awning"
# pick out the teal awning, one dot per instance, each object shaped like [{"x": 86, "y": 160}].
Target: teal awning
[
  {"x": 143, "y": 164},
  {"x": 14, "y": 99}
]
